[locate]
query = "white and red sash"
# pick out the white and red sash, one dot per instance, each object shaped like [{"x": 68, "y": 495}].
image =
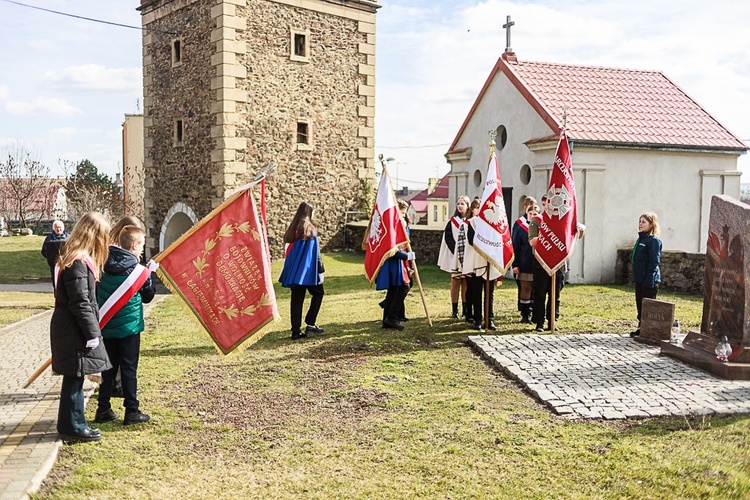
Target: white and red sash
[
  {"x": 523, "y": 223},
  {"x": 89, "y": 264},
  {"x": 124, "y": 292},
  {"x": 456, "y": 220}
]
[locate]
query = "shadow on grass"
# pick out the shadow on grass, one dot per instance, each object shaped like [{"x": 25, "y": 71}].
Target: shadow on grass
[{"x": 178, "y": 351}]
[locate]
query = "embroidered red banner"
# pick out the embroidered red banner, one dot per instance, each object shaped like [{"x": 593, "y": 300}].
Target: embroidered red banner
[
  {"x": 492, "y": 238},
  {"x": 221, "y": 270},
  {"x": 558, "y": 231}
]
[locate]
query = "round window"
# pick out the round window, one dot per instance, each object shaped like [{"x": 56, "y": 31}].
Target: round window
[
  {"x": 477, "y": 178},
  {"x": 502, "y": 137},
  {"x": 525, "y": 174}
]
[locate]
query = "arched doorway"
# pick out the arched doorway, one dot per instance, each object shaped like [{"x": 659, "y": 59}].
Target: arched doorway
[{"x": 177, "y": 222}]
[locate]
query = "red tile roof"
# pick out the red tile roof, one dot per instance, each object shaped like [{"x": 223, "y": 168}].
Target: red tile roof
[
  {"x": 611, "y": 105},
  {"x": 441, "y": 190}
]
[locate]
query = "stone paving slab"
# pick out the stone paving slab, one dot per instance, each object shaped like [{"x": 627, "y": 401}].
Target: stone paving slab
[{"x": 610, "y": 376}]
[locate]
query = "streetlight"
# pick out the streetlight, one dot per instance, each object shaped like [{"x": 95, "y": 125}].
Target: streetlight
[{"x": 390, "y": 160}]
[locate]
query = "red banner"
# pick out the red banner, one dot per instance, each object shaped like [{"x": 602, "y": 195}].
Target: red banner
[
  {"x": 558, "y": 231},
  {"x": 386, "y": 230},
  {"x": 221, "y": 270}
]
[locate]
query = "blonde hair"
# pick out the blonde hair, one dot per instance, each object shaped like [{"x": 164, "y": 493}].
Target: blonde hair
[
  {"x": 528, "y": 201},
  {"x": 89, "y": 238},
  {"x": 466, "y": 201},
  {"x": 128, "y": 220},
  {"x": 654, "y": 221},
  {"x": 129, "y": 235}
]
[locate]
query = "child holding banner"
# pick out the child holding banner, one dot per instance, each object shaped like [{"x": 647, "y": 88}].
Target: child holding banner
[
  {"x": 127, "y": 286},
  {"x": 523, "y": 268},
  {"x": 75, "y": 337},
  {"x": 303, "y": 270},
  {"x": 481, "y": 267}
]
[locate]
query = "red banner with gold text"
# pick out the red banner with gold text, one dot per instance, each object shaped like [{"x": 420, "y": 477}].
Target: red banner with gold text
[{"x": 220, "y": 268}]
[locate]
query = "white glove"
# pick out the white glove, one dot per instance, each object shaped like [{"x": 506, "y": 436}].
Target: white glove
[
  {"x": 93, "y": 343},
  {"x": 152, "y": 266},
  {"x": 410, "y": 256},
  {"x": 320, "y": 279}
]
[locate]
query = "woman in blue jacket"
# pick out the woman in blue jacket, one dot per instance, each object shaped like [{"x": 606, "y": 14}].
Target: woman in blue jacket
[{"x": 646, "y": 257}]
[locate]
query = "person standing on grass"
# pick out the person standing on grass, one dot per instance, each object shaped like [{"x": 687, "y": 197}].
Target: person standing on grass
[
  {"x": 75, "y": 337},
  {"x": 52, "y": 245},
  {"x": 646, "y": 257},
  {"x": 122, "y": 333},
  {"x": 481, "y": 269},
  {"x": 524, "y": 270},
  {"x": 303, "y": 270},
  {"x": 451, "y": 256}
]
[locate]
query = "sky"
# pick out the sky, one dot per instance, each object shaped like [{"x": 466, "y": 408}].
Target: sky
[{"x": 67, "y": 83}]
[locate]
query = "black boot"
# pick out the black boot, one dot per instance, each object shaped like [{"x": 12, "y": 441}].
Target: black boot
[{"x": 454, "y": 314}]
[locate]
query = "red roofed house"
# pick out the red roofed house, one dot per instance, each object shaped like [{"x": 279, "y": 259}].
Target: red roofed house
[{"x": 639, "y": 143}]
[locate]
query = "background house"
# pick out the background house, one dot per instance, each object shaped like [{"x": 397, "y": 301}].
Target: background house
[
  {"x": 437, "y": 205},
  {"x": 639, "y": 143}
]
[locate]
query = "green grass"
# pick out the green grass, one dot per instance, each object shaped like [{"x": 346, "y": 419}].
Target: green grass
[
  {"x": 362, "y": 412},
  {"x": 15, "y": 306},
  {"x": 22, "y": 261}
]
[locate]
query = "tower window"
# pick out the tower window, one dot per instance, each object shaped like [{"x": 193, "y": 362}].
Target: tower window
[
  {"x": 179, "y": 132},
  {"x": 300, "y": 45},
  {"x": 303, "y": 136},
  {"x": 176, "y": 52}
]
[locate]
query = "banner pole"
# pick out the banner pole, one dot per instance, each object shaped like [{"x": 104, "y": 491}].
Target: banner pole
[
  {"x": 487, "y": 298},
  {"x": 38, "y": 372},
  {"x": 552, "y": 297}
]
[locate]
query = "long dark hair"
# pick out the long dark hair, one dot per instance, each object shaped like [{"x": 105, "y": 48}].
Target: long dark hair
[{"x": 301, "y": 226}]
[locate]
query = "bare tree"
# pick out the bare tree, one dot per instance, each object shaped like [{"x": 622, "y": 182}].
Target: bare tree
[
  {"x": 25, "y": 188},
  {"x": 89, "y": 190}
]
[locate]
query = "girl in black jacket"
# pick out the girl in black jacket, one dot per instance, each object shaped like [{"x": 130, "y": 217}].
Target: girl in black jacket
[
  {"x": 646, "y": 257},
  {"x": 75, "y": 336}
]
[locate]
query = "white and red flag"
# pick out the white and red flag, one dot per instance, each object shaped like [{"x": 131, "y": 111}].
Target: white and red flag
[
  {"x": 386, "y": 230},
  {"x": 558, "y": 229},
  {"x": 492, "y": 233}
]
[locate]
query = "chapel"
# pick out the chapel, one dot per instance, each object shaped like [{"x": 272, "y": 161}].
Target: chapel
[{"x": 638, "y": 143}]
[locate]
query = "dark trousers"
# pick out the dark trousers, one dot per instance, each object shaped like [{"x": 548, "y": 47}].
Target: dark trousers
[
  {"x": 477, "y": 287},
  {"x": 71, "y": 415},
  {"x": 393, "y": 304},
  {"x": 641, "y": 292},
  {"x": 124, "y": 354},
  {"x": 298, "y": 300},
  {"x": 541, "y": 287}
]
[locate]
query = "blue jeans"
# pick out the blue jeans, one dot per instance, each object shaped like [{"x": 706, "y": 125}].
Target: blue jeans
[
  {"x": 124, "y": 354},
  {"x": 71, "y": 415}
]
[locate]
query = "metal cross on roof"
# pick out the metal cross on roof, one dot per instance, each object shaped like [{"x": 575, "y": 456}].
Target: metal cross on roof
[{"x": 506, "y": 26}]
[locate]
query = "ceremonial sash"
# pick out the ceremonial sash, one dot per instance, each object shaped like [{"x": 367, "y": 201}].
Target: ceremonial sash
[
  {"x": 523, "y": 223},
  {"x": 58, "y": 270},
  {"x": 456, "y": 221},
  {"x": 123, "y": 294}
]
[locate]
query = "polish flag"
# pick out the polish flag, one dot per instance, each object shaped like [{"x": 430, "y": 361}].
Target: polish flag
[
  {"x": 558, "y": 228},
  {"x": 492, "y": 233},
  {"x": 386, "y": 230}
]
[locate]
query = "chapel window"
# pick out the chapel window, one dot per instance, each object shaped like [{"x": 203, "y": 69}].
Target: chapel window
[
  {"x": 176, "y": 52},
  {"x": 304, "y": 139},
  {"x": 179, "y": 132},
  {"x": 300, "y": 45}
]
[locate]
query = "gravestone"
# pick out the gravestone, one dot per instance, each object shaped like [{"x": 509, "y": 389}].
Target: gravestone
[
  {"x": 726, "y": 297},
  {"x": 657, "y": 317}
]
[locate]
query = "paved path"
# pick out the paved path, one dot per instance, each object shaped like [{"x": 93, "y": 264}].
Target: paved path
[
  {"x": 610, "y": 376},
  {"x": 28, "y": 417},
  {"x": 39, "y": 286}
]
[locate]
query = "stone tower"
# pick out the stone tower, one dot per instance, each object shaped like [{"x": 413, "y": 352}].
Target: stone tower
[{"x": 233, "y": 85}]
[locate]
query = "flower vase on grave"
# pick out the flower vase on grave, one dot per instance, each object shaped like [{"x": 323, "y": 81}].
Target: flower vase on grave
[{"x": 723, "y": 349}]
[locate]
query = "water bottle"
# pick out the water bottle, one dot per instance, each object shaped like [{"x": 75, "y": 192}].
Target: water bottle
[{"x": 674, "y": 337}]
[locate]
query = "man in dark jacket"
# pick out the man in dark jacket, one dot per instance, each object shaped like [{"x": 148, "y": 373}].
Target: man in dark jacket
[
  {"x": 122, "y": 332},
  {"x": 52, "y": 244}
]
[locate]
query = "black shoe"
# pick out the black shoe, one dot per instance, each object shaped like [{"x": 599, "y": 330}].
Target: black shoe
[
  {"x": 106, "y": 416},
  {"x": 492, "y": 326},
  {"x": 526, "y": 320},
  {"x": 550, "y": 328},
  {"x": 393, "y": 324},
  {"x": 539, "y": 328},
  {"x": 313, "y": 329},
  {"x": 298, "y": 335},
  {"x": 636, "y": 333},
  {"x": 135, "y": 417},
  {"x": 87, "y": 435},
  {"x": 403, "y": 320},
  {"x": 477, "y": 326}
]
